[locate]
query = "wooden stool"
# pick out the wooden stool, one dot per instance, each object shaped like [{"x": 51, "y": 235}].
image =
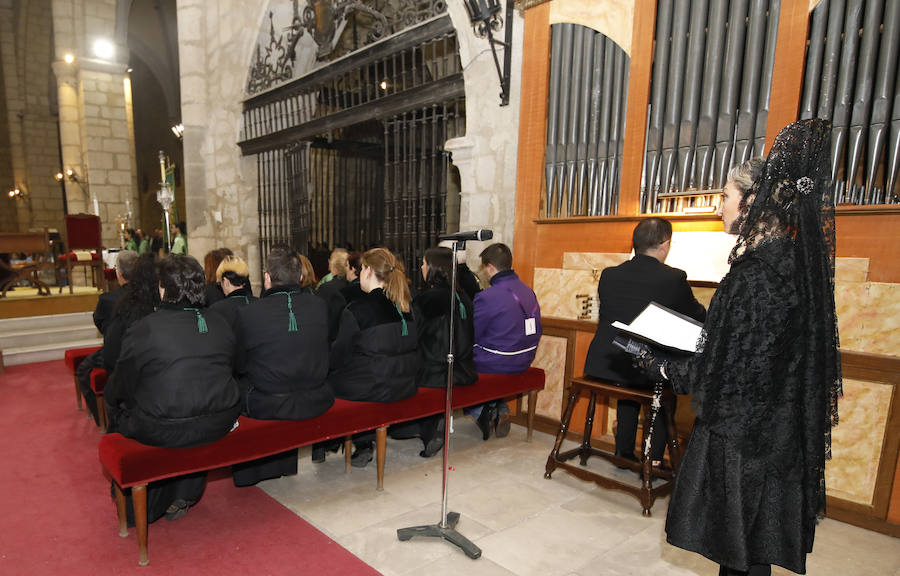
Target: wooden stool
[{"x": 646, "y": 493}]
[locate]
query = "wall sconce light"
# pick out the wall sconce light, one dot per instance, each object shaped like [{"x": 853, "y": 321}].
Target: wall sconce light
[
  {"x": 69, "y": 58},
  {"x": 485, "y": 19},
  {"x": 69, "y": 175},
  {"x": 15, "y": 193},
  {"x": 178, "y": 130}
]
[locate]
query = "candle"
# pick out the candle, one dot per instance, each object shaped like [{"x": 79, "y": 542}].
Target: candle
[{"x": 96, "y": 207}]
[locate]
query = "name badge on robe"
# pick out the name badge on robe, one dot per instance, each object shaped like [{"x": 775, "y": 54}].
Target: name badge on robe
[{"x": 530, "y": 326}]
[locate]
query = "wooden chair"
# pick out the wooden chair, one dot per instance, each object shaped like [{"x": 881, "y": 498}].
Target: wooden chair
[
  {"x": 83, "y": 235},
  {"x": 646, "y": 492},
  {"x": 35, "y": 244}
]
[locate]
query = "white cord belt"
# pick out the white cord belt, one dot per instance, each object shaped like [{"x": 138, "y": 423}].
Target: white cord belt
[{"x": 500, "y": 352}]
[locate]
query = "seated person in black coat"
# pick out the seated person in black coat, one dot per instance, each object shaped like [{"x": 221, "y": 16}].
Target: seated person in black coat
[
  {"x": 211, "y": 263},
  {"x": 173, "y": 385},
  {"x": 623, "y": 292},
  {"x": 282, "y": 359},
  {"x": 374, "y": 358},
  {"x": 352, "y": 291},
  {"x": 141, "y": 298},
  {"x": 233, "y": 276},
  {"x": 432, "y": 310},
  {"x": 126, "y": 261},
  {"x": 330, "y": 291}
]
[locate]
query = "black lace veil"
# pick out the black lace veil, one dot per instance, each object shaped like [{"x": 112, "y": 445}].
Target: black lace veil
[{"x": 793, "y": 199}]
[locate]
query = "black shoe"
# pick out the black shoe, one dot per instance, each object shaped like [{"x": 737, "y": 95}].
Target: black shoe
[
  {"x": 485, "y": 420},
  {"x": 178, "y": 509},
  {"x": 433, "y": 447},
  {"x": 501, "y": 426},
  {"x": 361, "y": 457},
  {"x": 318, "y": 454}
]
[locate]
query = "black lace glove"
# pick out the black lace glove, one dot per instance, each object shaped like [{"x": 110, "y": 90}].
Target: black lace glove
[{"x": 653, "y": 367}]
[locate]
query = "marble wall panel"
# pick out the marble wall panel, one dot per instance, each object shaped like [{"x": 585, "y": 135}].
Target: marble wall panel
[
  {"x": 592, "y": 260},
  {"x": 566, "y": 293},
  {"x": 851, "y": 269},
  {"x": 869, "y": 316},
  {"x": 548, "y": 289},
  {"x": 857, "y": 441},
  {"x": 551, "y": 357}
]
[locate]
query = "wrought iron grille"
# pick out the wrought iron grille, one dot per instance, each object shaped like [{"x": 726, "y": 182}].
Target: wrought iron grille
[
  {"x": 585, "y": 123},
  {"x": 353, "y": 154},
  {"x": 421, "y": 66},
  {"x": 416, "y": 168},
  {"x": 336, "y": 195},
  {"x": 851, "y": 79},
  {"x": 273, "y": 199},
  {"x": 709, "y": 96}
]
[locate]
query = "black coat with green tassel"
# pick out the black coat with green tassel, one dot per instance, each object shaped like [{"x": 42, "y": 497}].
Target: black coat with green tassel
[
  {"x": 374, "y": 358},
  {"x": 282, "y": 359},
  {"x": 173, "y": 383}
]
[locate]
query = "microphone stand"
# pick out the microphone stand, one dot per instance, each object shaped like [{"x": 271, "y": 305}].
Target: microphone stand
[{"x": 446, "y": 529}]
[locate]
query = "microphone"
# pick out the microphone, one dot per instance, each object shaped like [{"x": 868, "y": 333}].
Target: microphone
[{"x": 479, "y": 235}]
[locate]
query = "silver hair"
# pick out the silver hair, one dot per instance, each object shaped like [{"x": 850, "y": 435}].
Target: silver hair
[{"x": 745, "y": 174}]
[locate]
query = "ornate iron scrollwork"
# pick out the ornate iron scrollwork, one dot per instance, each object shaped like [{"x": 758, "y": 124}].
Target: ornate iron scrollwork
[{"x": 323, "y": 20}]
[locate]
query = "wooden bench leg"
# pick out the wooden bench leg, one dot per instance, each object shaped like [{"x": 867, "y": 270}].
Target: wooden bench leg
[
  {"x": 532, "y": 406},
  {"x": 380, "y": 451},
  {"x": 101, "y": 413},
  {"x": 588, "y": 429},
  {"x": 348, "y": 452},
  {"x": 120, "y": 511},
  {"x": 77, "y": 392},
  {"x": 139, "y": 498},
  {"x": 563, "y": 428}
]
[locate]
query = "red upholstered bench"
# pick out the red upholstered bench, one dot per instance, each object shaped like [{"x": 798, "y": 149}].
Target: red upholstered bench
[
  {"x": 133, "y": 465},
  {"x": 73, "y": 358}
]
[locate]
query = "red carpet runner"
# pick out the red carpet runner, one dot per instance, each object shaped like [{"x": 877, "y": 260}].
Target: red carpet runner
[{"x": 56, "y": 515}]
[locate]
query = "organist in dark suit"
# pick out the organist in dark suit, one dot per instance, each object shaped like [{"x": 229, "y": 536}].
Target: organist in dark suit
[{"x": 623, "y": 292}]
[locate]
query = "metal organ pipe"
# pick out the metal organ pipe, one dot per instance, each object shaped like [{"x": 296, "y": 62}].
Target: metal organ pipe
[
  {"x": 728, "y": 103},
  {"x": 657, "y": 102},
  {"x": 844, "y": 95},
  {"x": 709, "y": 101},
  {"x": 552, "y": 118},
  {"x": 674, "y": 89},
  {"x": 862, "y": 103},
  {"x": 687, "y": 133},
  {"x": 884, "y": 82},
  {"x": 753, "y": 58}
]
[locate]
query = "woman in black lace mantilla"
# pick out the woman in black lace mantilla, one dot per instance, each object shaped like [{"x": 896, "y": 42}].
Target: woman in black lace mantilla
[{"x": 767, "y": 374}]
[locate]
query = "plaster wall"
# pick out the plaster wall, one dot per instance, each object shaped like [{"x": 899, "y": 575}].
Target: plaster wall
[{"x": 486, "y": 155}]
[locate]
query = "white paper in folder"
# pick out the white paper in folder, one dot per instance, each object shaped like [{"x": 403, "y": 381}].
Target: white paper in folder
[{"x": 663, "y": 326}]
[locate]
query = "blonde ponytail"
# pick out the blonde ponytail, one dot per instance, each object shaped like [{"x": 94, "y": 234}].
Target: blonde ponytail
[{"x": 389, "y": 270}]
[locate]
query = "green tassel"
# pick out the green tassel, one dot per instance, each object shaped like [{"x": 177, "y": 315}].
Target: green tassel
[
  {"x": 292, "y": 322},
  {"x": 404, "y": 331},
  {"x": 201, "y": 321},
  {"x": 462, "y": 309}
]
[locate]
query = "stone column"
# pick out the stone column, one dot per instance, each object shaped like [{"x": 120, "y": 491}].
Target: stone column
[
  {"x": 486, "y": 155},
  {"x": 95, "y": 129}
]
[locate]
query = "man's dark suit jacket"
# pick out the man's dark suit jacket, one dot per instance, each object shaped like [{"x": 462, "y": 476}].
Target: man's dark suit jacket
[
  {"x": 106, "y": 307},
  {"x": 624, "y": 291}
]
